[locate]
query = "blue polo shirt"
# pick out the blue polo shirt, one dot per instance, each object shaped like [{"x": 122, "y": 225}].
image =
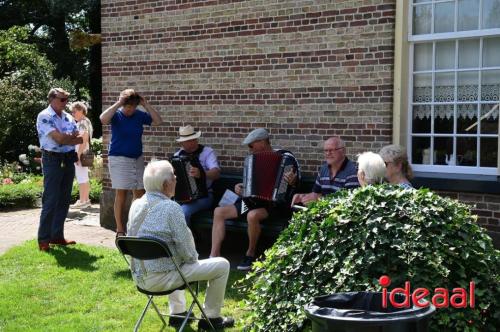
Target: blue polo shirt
[
  {"x": 346, "y": 177},
  {"x": 126, "y": 133},
  {"x": 47, "y": 121}
]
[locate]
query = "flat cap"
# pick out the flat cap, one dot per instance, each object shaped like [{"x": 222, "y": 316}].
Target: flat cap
[{"x": 255, "y": 135}]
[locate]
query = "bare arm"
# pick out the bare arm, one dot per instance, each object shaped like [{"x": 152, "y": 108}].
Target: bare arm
[
  {"x": 154, "y": 114},
  {"x": 213, "y": 174},
  {"x": 305, "y": 198},
  {"x": 82, "y": 146},
  {"x": 108, "y": 114},
  {"x": 66, "y": 139}
]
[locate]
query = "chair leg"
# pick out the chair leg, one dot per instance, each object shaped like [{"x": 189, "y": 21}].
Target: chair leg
[
  {"x": 139, "y": 321},
  {"x": 158, "y": 312},
  {"x": 195, "y": 299}
]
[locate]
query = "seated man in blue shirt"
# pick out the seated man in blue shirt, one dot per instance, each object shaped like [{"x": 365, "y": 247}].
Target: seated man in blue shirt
[{"x": 336, "y": 173}]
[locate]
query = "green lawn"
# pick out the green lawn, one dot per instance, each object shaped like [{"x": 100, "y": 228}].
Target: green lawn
[{"x": 80, "y": 288}]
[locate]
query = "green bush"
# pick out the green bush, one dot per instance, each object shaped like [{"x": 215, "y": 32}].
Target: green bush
[
  {"x": 346, "y": 242},
  {"x": 95, "y": 191},
  {"x": 20, "y": 195}
]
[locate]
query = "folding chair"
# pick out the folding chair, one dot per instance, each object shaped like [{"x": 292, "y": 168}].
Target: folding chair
[{"x": 145, "y": 249}]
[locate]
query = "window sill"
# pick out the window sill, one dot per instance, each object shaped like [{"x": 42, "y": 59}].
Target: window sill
[{"x": 485, "y": 184}]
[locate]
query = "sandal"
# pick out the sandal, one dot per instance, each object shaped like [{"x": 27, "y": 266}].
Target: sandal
[{"x": 121, "y": 234}]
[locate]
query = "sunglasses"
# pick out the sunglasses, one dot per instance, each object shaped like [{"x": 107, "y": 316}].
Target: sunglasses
[{"x": 62, "y": 99}]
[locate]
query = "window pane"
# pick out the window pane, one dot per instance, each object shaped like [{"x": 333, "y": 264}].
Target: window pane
[
  {"x": 443, "y": 151},
  {"x": 466, "y": 151},
  {"x": 491, "y": 14},
  {"x": 422, "y": 88},
  {"x": 490, "y": 85},
  {"x": 443, "y": 119},
  {"x": 422, "y": 15},
  {"x": 468, "y": 83},
  {"x": 489, "y": 152},
  {"x": 444, "y": 17},
  {"x": 423, "y": 57},
  {"x": 468, "y": 53},
  {"x": 421, "y": 150},
  {"x": 421, "y": 119},
  {"x": 491, "y": 52},
  {"x": 444, "y": 90},
  {"x": 445, "y": 55},
  {"x": 466, "y": 116},
  {"x": 468, "y": 15},
  {"x": 489, "y": 125}
]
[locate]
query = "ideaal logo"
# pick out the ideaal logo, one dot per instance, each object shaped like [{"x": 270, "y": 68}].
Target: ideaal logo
[{"x": 440, "y": 299}]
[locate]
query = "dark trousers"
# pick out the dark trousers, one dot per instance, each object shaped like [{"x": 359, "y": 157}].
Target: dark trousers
[{"x": 58, "y": 174}]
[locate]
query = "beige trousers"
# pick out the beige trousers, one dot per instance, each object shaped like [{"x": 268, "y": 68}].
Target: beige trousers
[{"x": 214, "y": 270}]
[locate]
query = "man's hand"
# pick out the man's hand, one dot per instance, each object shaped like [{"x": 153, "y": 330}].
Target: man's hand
[
  {"x": 297, "y": 199},
  {"x": 238, "y": 189},
  {"x": 290, "y": 177},
  {"x": 194, "y": 172},
  {"x": 305, "y": 198}
]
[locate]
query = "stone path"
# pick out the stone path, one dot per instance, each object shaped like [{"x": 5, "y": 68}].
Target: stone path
[{"x": 82, "y": 226}]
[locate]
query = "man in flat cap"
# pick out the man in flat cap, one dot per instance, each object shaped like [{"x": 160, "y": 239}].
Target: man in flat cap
[
  {"x": 208, "y": 168},
  {"x": 257, "y": 141}
]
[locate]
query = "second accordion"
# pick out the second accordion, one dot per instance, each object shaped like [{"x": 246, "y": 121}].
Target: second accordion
[
  {"x": 188, "y": 188},
  {"x": 263, "y": 177}
]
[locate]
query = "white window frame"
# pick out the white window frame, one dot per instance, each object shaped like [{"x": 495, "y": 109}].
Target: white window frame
[{"x": 448, "y": 36}]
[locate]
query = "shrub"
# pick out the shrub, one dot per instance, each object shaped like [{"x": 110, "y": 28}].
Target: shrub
[
  {"x": 95, "y": 191},
  {"x": 346, "y": 242},
  {"x": 21, "y": 195}
]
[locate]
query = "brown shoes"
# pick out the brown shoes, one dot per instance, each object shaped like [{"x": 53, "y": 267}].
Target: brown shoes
[
  {"x": 62, "y": 242},
  {"x": 43, "y": 246}
]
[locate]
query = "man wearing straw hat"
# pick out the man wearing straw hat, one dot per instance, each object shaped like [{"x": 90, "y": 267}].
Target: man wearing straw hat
[{"x": 190, "y": 147}]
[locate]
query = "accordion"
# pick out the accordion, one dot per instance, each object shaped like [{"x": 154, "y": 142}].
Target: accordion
[
  {"x": 263, "y": 178},
  {"x": 188, "y": 188}
]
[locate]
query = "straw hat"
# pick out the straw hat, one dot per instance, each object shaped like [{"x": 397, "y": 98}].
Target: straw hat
[{"x": 187, "y": 133}]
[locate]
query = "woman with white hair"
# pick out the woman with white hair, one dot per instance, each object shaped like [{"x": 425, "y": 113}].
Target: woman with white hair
[
  {"x": 156, "y": 215},
  {"x": 398, "y": 168},
  {"x": 371, "y": 168}
]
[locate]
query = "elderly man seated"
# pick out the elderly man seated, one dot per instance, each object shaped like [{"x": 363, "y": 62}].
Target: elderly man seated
[{"x": 156, "y": 215}]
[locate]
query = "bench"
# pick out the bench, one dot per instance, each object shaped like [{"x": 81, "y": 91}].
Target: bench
[{"x": 270, "y": 227}]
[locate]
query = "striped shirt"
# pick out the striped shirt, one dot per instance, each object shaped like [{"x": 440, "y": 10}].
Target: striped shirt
[{"x": 346, "y": 177}]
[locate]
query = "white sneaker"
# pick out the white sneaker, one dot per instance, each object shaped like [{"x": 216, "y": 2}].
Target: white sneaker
[{"x": 81, "y": 205}]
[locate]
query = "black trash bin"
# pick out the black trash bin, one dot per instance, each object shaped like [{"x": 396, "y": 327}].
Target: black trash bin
[{"x": 363, "y": 312}]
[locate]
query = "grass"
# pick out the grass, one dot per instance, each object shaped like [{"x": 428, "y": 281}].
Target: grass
[{"x": 81, "y": 288}]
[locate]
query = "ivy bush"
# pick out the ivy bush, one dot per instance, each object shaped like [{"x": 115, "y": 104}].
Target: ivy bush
[{"x": 347, "y": 241}]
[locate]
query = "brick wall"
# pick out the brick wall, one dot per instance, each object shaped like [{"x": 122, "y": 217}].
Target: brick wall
[{"x": 306, "y": 70}]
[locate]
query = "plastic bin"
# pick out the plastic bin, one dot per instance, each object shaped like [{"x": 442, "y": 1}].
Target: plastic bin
[{"x": 363, "y": 312}]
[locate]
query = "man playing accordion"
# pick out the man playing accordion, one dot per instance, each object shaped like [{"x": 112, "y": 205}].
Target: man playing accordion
[
  {"x": 258, "y": 143},
  {"x": 208, "y": 170}
]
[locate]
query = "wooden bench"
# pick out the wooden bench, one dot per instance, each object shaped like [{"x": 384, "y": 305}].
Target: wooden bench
[{"x": 270, "y": 227}]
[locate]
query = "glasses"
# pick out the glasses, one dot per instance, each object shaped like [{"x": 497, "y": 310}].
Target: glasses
[
  {"x": 387, "y": 163},
  {"x": 327, "y": 151},
  {"x": 62, "y": 99}
]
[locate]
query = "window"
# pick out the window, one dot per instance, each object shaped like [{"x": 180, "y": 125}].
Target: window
[{"x": 454, "y": 90}]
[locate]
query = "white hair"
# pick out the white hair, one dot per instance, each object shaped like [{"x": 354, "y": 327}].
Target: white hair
[
  {"x": 373, "y": 167},
  {"x": 155, "y": 175}
]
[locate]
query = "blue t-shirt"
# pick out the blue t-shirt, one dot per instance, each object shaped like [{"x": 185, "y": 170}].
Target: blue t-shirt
[{"x": 126, "y": 133}]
